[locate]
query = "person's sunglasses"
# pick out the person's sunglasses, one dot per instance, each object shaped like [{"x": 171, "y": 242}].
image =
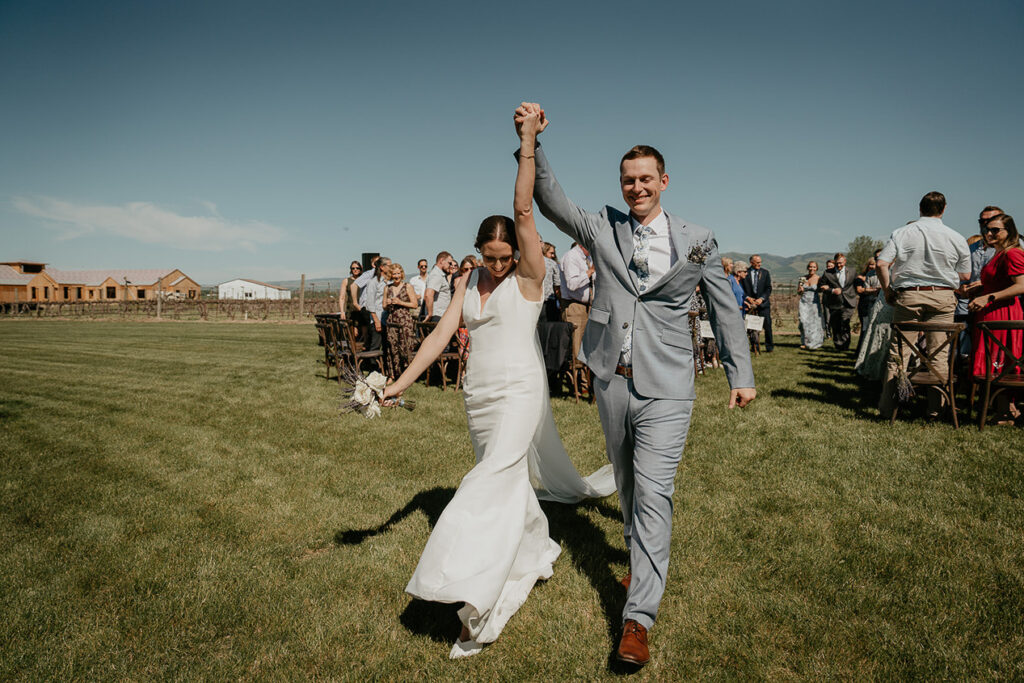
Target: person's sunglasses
[{"x": 995, "y": 229}]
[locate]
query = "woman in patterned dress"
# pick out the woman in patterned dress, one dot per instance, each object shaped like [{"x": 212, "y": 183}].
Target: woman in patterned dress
[{"x": 400, "y": 301}]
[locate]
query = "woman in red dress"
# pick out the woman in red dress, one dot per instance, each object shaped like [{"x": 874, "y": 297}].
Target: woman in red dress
[{"x": 1002, "y": 281}]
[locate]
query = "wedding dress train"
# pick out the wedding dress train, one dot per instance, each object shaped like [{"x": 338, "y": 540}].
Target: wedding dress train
[{"x": 491, "y": 543}]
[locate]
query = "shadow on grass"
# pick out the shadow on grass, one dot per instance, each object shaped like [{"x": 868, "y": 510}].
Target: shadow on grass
[
  {"x": 12, "y": 407},
  {"x": 431, "y": 502},
  {"x": 833, "y": 380},
  {"x": 591, "y": 554},
  {"x": 437, "y": 621},
  {"x": 588, "y": 550}
]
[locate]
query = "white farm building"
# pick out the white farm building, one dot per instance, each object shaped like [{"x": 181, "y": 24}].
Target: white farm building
[{"x": 251, "y": 289}]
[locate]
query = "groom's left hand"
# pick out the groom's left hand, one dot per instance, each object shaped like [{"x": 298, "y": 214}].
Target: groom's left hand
[{"x": 741, "y": 397}]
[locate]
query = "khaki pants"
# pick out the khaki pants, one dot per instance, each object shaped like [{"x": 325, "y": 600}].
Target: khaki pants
[
  {"x": 914, "y": 306},
  {"x": 576, "y": 313}
]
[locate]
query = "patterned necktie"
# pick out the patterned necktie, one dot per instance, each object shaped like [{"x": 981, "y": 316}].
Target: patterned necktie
[
  {"x": 753, "y": 278},
  {"x": 641, "y": 265}
]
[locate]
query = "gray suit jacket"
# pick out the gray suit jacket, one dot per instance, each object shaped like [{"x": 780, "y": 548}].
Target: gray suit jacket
[{"x": 662, "y": 344}]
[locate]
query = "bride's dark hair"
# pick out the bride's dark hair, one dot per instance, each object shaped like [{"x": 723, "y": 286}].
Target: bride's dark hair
[{"x": 500, "y": 228}]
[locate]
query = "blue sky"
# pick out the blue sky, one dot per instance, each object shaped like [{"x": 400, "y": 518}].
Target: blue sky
[{"x": 268, "y": 139}]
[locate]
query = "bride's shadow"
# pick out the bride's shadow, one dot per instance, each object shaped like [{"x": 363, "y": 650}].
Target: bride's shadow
[
  {"x": 569, "y": 525},
  {"x": 435, "y": 620}
]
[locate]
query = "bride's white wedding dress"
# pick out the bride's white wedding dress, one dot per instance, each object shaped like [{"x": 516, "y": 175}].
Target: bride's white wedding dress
[{"x": 491, "y": 543}]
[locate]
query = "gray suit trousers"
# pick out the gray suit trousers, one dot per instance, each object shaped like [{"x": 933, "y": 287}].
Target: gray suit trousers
[{"x": 645, "y": 439}]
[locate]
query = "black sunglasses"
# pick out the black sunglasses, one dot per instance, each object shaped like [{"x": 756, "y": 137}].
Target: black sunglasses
[{"x": 995, "y": 229}]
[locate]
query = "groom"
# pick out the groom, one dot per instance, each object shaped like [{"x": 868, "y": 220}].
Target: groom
[{"x": 638, "y": 345}]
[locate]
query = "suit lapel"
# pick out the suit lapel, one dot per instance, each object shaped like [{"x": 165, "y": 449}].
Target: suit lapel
[
  {"x": 681, "y": 244},
  {"x": 624, "y": 239}
]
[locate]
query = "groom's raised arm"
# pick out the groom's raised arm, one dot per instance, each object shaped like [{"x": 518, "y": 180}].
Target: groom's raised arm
[{"x": 556, "y": 207}]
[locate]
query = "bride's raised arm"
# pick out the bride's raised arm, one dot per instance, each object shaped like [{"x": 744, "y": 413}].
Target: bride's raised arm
[{"x": 530, "y": 121}]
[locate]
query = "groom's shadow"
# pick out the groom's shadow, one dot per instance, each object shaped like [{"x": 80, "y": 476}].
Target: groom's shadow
[
  {"x": 591, "y": 554},
  {"x": 437, "y": 621}
]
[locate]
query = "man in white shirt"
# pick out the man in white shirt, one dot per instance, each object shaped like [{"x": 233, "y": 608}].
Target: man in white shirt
[
  {"x": 577, "y": 271},
  {"x": 919, "y": 269},
  {"x": 419, "y": 283},
  {"x": 438, "y": 293}
]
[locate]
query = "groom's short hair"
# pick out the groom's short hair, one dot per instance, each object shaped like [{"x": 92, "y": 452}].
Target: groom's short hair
[{"x": 641, "y": 151}]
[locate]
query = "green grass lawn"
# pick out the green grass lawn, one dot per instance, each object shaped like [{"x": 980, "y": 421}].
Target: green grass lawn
[{"x": 183, "y": 500}]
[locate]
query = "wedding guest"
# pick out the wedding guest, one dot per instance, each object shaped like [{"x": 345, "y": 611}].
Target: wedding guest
[
  {"x": 419, "y": 283},
  {"x": 400, "y": 301},
  {"x": 982, "y": 250},
  {"x": 370, "y": 304},
  {"x": 438, "y": 292},
  {"x": 467, "y": 265},
  {"x": 758, "y": 288},
  {"x": 373, "y": 305},
  {"x": 552, "y": 283},
  {"x": 577, "y": 271},
  {"x": 830, "y": 266},
  {"x": 739, "y": 274},
  {"x": 928, "y": 261},
  {"x": 876, "y": 336},
  {"x": 347, "y": 301},
  {"x": 812, "y": 332},
  {"x": 1002, "y": 281},
  {"x": 867, "y": 287},
  {"x": 840, "y": 289}
]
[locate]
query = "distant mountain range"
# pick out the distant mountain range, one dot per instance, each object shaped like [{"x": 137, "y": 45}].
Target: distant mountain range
[{"x": 785, "y": 269}]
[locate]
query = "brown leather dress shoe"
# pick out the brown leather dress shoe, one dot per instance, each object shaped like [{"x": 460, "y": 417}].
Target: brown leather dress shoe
[
  {"x": 626, "y": 580},
  {"x": 633, "y": 645}
]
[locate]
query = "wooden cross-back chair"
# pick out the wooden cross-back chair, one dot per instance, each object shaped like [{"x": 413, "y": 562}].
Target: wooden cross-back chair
[
  {"x": 356, "y": 356},
  {"x": 927, "y": 373},
  {"x": 336, "y": 348},
  {"x": 1010, "y": 374},
  {"x": 580, "y": 376},
  {"x": 423, "y": 329}
]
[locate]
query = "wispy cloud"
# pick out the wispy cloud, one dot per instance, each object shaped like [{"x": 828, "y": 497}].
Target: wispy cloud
[{"x": 151, "y": 224}]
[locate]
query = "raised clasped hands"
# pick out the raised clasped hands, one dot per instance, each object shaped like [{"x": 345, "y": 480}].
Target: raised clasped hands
[{"x": 530, "y": 119}]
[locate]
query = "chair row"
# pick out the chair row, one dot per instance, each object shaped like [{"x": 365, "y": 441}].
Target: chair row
[{"x": 1008, "y": 376}]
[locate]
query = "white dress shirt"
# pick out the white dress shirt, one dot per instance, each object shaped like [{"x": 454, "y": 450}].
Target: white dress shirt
[
  {"x": 575, "y": 280},
  {"x": 419, "y": 284},
  {"x": 926, "y": 253},
  {"x": 662, "y": 251}
]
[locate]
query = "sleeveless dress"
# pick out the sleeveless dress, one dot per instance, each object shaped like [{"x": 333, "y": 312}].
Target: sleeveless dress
[
  {"x": 877, "y": 334},
  {"x": 401, "y": 336},
  {"x": 997, "y": 275},
  {"x": 812, "y": 333},
  {"x": 491, "y": 544}
]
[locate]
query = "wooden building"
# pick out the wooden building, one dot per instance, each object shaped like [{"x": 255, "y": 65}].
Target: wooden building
[{"x": 30, "y": 282}]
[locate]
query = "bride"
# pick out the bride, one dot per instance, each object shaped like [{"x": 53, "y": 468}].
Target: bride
[{"x": 491, "y": 543}]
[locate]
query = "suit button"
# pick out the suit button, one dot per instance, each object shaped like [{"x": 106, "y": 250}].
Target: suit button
[{"x": 625, "y": 325}]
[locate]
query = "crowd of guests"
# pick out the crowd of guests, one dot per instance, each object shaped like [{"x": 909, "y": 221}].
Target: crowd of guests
[
  {"x": 386, "y": 306},
  {"x": 926, "y": 272}
]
